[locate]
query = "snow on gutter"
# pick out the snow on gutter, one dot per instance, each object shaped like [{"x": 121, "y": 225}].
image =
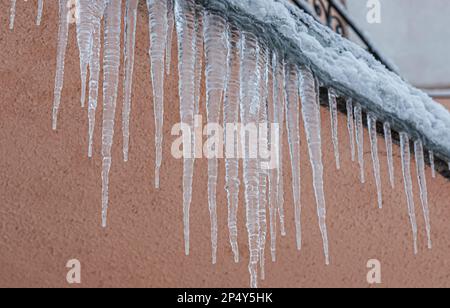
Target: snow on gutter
[{"x": 342, "y": 65}]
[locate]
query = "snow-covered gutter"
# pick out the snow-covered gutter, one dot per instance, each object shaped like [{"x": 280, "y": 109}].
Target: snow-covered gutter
[{"x": 344, "y": 66}]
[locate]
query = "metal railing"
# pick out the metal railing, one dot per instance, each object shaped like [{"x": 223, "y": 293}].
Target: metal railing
[{"x": 334, "y": 15}]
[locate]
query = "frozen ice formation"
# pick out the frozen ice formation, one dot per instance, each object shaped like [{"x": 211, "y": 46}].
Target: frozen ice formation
[
  {"x": 360, "y": 140},
  {"x": 84, "y": 23},
  {"x": 157, "y": 10},
  {"x": 334, "y": 125},
  {"x": 390, "y": 158},
  {"x": 63, "y": 32},
  {"x": 129, "y": 51},
  {"x": 344, "y": 66},
  {"x": 311, "y": 120},
  {"x": 293, "y": 129},
  {"x": 98, "y": 10},
  {"x": 12, "y": 15},
  {"x": 249, "y": 110},
  {"x": 263, "y": 136},
  {"x": 39, "y": 13},
  {"x": 264, "y": 72},
  {"x": 372, "y": 125},
  {"x": 279, "y": 101},
  {"x": 111, "y": 64},
  {"x": 185, "y": 11},
  {"x": 351, "y": 127},
  {"x": 420, "y": 166},
  {"x": 231, "y": 115}
]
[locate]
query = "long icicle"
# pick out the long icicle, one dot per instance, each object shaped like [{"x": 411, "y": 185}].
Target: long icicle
[
  {"x": 249, "y": 108},
  {"x": 40, "y": 10},
  {"x": 332, "y": 99},
  {"x": 390, "y": 158},
  {"x": 170, "y": 29},
  {"x": 94, "y": 68},
  {"x": 432, "y": 164},
  {"x": 281, "y": 103},
  {"x": 216, "y": 52},
  {"x": 406, "y": 168},
  {"x": 311, "y": 120},
  {"x": 360, "y": 140},
  {"x": 263, "y": 145},
  {"x": 231, "y": 116},
  {"x": 351, "y": 128},
  {"x": 84, "y": 22},
  {"x": 185, "y": 25},
  {"x": 372, "y": 125},
  {"x": 129, "y": 53},
  {"x": 293, "y": 130},
  {"x": 420, "y": 168},
  {"x": 199, "y": 48},
  {"x": 63, "y": 32},
  {"x": 12, "y": 15},
  {"x": 111, "y": 64},
  {"x": 157, "y": 10}
]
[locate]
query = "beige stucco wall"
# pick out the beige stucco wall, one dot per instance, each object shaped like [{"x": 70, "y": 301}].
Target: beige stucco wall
[{"x": 50, "y": 194}]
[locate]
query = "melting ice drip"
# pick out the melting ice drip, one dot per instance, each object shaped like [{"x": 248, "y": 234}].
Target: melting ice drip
[{"x": 246, "y": 80}]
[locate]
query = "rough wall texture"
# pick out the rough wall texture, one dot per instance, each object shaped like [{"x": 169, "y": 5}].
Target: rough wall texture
[{"x": 50, "y": 194}]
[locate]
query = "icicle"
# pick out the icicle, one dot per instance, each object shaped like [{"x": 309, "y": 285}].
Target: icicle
[
  {"x": 360, "y": 139},
  {"x": 263, "y": 68},
  {"x": 185, "y": 14},
  {"x": 372, "y": 125},
  {"x": 198, "y": 55},
  {"x": 216, "y": 52},
  {"x": 98, "y": 10},
  {"x": 84, "y": 23},
  {"x": 39, "y": 14},
  {"x": 390, "y": 158},
  {"x": 406, "y": 167},
  {"x": 111, "y": 63},
  {"x": 249, "y": 107},
  {"x": 293, "y": 129},
  {"x": 158, "y": 40},
  {"x": 281, "y": 99},
  {"x": 351, "y": 127},
  {"x": 420, "y": 168},
  {"x": 310, "y": 111},
  {"x": 274, "y": 116},
  {"x": 12, "y": 15},
  {"x": 276, "y": 112},
  {"x": 432, "y": 164},
  {"x": 170, "y": 28},
  {"x": 60, "y": 58},
  {"x": 129, "y": 52},
  {"x": 334, "y": 125},
  {"x": 231, "y": 116}
]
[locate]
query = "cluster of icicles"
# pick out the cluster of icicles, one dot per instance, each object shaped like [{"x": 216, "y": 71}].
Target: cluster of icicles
[{"x": 251, "y": 83}]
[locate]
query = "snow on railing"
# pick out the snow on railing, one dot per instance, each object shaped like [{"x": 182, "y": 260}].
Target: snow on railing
[{"x": 261, "y": 57}]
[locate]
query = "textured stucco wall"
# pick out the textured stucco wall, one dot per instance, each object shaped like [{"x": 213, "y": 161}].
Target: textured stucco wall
[{"x": 50, "y": 194}]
